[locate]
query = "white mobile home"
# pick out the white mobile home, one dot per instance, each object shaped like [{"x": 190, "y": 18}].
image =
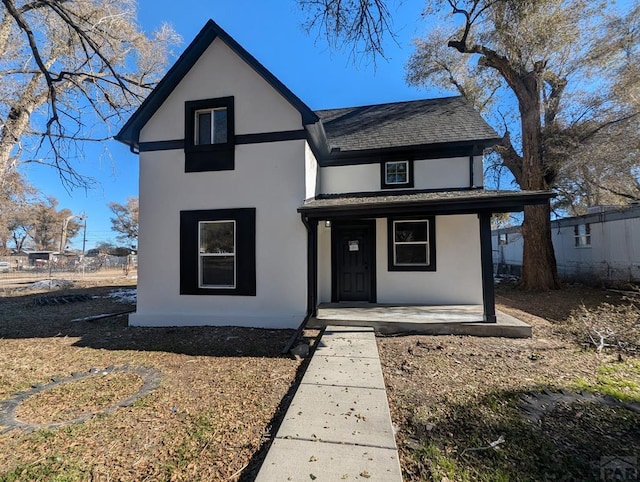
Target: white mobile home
[{"x": 603, "y": 245}]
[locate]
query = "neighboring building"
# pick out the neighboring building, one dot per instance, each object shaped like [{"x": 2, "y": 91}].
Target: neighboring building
[
  {"x": 254, "y": 208},
  {"x": 603, "y": 245}
]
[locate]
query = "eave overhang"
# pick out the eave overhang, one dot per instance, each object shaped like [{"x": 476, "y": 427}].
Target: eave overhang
[
  {"x": 411, "y": 152},
  {"x": 434, "y": 203},
  {"x": 130, "y": 132}
]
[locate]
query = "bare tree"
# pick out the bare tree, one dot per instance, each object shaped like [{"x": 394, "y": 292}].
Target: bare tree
[
  {"x": 68, "y": 71},
  {"x": 548, "y": 66},
  {"x": 125, "y": 220},
  {"x": 48, "y": 228}
]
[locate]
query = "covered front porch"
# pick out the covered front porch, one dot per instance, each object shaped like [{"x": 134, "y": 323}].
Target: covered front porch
[
  {"x": 390, "y": 319},
  {"x": 444, "y": 307}
]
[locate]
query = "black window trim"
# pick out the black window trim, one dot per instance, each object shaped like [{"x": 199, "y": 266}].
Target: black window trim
[
  {"x": 209, "y": 157},
  {"x": 391, "y": 266},
  {"x": 245, "y": 255},
  {"x": 383, "y": 174}
]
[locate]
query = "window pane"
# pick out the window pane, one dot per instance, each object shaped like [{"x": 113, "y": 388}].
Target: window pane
[
  {"x": 218, "y": 270},
  {"x": 220, "y": 126},
  {"x": 203, "y": 121},
  {"x": 411, "y": 231},
  {"x": 412, "y": 254},
  {"x": 396, "y": 172},
  {"x": 217, "y": 237}
]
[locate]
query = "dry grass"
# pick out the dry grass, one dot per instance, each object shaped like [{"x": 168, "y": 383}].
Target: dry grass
[
  {"x": 452, "y": 395},
  {"x": 220, "y": 390}
]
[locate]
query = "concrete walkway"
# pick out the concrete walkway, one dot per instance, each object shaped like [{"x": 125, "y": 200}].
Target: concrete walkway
[{"x": 338, "y": 426}]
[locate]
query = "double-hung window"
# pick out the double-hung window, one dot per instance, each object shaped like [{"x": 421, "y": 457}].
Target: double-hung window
[
  {"x": 412, "y": 244},
  {"x": 582, "y": 235},
  {"x": 209, "y": 135},
  {"x": 217, "y": 263},
  {"x": 218, "y": 252},
  {"x": 396, "y": 174}
]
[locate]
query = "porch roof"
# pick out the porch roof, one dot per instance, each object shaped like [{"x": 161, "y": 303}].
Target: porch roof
[{"x": 467, "y": 201}]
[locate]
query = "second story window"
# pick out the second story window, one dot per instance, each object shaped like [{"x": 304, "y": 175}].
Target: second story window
[
  {"x": 397, "y": 174},
  {"x": 211, "y": 126},
  {"x": 209, "y": 135}
]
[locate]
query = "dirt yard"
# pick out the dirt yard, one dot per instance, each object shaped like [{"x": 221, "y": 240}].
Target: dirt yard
[
  {"x": 220, "y": 390},
  {"x": 199, "y": 404},
  {"x": 452, "y": 397}
]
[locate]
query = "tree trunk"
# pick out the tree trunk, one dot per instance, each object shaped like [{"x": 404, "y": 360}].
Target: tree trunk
[{"x": 539, "y": 270}]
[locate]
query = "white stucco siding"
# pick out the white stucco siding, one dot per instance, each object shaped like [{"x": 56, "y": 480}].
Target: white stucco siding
[
  {"x": 478, "y": 171},
  {"x": 311, "y": 179},
  {"x": 457, "y": 279},
  {"x": 441, "y": 173},
  {"x": 428, "y": 174},
  {"x": 267, "y": 177},
  {"x": 458, "y": 275},
  {"x": 259, "y": 108},
  {"x": 356, "y": 178}
]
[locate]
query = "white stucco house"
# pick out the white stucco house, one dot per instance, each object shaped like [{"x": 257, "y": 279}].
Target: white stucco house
[{"x": 261, "y": 208}]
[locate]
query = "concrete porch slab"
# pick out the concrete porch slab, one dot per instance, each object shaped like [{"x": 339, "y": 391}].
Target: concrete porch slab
[{"x": 414, "y": 319}]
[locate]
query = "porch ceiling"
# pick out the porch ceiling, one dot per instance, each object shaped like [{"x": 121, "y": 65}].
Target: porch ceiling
[{"x": 440, "y": 202}]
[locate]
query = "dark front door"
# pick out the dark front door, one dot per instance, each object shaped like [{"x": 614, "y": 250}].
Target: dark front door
[{"x": 353, "y": 262}]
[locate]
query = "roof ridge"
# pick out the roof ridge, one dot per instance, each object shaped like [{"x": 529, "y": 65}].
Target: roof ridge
[{"x": 449, "y": 97}]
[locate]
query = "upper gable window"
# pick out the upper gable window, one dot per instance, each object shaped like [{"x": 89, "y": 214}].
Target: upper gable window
[
  {"x": 211, "y": 126},
  {"x": 209, "y": 135},
  {"x": 397, "y": 174}
]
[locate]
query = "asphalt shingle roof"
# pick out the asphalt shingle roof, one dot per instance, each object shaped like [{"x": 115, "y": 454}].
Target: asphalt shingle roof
[{"x": 399, "y": 124}]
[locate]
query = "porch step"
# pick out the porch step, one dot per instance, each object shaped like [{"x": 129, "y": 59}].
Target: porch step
[
  {"x": 338, "y": 426},
  {"x": 422, "y": 320}
]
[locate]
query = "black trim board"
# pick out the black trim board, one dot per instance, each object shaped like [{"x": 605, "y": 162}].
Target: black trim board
[
  {"x": 161, "y": 145},
  {"x": 260, "y": 138},
  {"x": 245, "y": 251},
  {"x": 130, "y": 132},
  {"x": 271, "y": 137},
  {"x": 486, "y": 260}
]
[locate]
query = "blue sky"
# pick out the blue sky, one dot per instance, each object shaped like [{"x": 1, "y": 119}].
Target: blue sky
[{"x": 273, "y": 33}]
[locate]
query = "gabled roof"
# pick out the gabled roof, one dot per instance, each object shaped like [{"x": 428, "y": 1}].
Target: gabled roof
[
  {"x": 449, "y": 120},
  {"x": 130, "y": 132}
]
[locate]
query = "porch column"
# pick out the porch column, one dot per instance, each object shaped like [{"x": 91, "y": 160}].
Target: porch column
[
  {"x": 486, "y": 259},
  {"x": 312, "y": 265}
]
